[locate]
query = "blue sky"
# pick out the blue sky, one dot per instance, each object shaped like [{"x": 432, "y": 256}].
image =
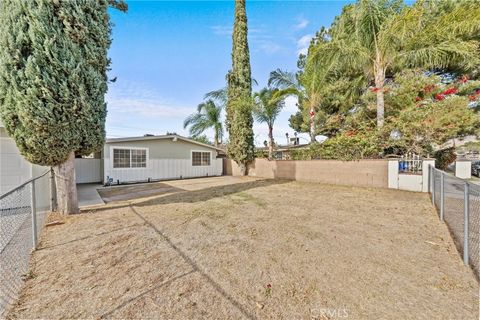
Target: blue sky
[{"x": 167, "y": 54}]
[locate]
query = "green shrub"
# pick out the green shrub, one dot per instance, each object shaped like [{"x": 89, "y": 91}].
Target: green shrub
[
  {"x": 345, "y": 146},
  {"x": 444, "y": 157}
]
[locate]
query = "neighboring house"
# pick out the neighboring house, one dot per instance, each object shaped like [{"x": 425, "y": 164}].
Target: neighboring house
[
  {"x": 151, "y": 158},
  {"x": 14, "y": 169},
  {"x": 282, "y": 152}
]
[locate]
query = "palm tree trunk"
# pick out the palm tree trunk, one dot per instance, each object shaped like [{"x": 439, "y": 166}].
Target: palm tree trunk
[
  {"x": 312, "y": 125},
  {"x": 379, "y": 83},
  {"x": 215, "y": 139},
  {"x": 270, "y": 145}
]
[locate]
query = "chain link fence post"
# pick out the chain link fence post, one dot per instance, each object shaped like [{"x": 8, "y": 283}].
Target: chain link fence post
[
  {"x": 53, "y": 191},
  {"x": 466, "y": 209},
  {"x": 33, "y": 211},
  {"x": 433, "y": 185},
  {"x": 429, "y": 178},
  {"x": 442, "y": 195}
]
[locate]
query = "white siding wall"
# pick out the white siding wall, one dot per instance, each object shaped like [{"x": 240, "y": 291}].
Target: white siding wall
[
  {"x": 163, "y": 169},
  {"x": 88, "y": 170},
  {"x": 14, "y": 169}
]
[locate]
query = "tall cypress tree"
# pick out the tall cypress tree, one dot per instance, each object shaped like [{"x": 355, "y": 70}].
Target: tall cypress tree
[
  {"x": 53, "y": 80},
  {"x": 239, "y": 105}
]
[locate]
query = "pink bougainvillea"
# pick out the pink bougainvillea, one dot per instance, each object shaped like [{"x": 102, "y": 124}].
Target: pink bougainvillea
[{"x": 450, "y": 91}]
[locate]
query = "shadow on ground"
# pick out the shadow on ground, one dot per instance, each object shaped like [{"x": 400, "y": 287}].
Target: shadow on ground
[
  {"x": 178, "y": 195},
  {"x": 125, "y": 193},
  {"x": 209, "y": 193}
]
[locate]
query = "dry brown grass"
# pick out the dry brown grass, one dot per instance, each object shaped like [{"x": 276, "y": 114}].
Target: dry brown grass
[{"x": 212, "y": 247}]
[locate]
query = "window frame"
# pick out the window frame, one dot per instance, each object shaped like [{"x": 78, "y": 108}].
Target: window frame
[
  {"x": 201, "y": 165},
  {"x": 112, "y": 148}
]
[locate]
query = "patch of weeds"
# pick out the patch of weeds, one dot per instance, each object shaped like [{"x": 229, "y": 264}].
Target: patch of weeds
[
  {"x": 28, "y": 276},
  {"x": 268, "y": 290},
  {"x": 245, "y": 197}
]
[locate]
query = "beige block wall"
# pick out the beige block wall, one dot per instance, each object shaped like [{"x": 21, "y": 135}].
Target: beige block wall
[{"x": 366, "y": 173}]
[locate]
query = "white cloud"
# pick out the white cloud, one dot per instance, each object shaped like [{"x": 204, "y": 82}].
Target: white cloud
[
  {"x": 145, "y": 107},
  {"x": 267, "y": 46},
  {"x": 259, "y": 39},
  {"x": 302, "y": 23},
  {"x": 222, "y": 30},
  {"x": 303, "y": 43},
  {"x": 227, "y": 30},
  {"x": 134, "y": 109}
]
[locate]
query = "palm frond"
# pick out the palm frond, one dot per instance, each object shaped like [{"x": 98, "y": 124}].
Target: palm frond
[
  {"x": 281, "y": 79},
  {"x": 219, "y": 95},
  {"x": 267, "y": 107},
  {"x": 208, "y": 116}
]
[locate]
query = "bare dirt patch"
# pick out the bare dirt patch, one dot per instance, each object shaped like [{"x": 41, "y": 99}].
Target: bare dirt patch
[{"x": 244, "y": 248}]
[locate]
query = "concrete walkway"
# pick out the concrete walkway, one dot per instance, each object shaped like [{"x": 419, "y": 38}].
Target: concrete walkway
[{"x": 88, "y": 195}]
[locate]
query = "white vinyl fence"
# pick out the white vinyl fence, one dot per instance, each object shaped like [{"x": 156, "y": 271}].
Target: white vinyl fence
[
  {"x": 163, "y": 169},
  {"x": 88, "y": 170}
]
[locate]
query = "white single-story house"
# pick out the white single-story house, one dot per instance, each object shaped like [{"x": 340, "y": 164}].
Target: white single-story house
[
  {"x": 150, "y": 158},
  {"x": 122, "y": 160}
]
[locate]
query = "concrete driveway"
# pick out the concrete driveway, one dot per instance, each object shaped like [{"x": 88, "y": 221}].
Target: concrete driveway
[
  {"x": 88, "y": 195},
  {"x": 143, "y": 190}
]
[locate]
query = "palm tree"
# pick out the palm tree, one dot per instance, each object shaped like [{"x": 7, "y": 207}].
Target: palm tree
[
  {"x": 380, "y": 36},
  {"x": 219, "y": 96},
  {"x": 266, "y": 110},
  {"x": 308, "y": 95},
  {"x": 208, "y": 116}
]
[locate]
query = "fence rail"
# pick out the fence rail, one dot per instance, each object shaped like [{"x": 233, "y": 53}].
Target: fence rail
[
  {"x": 22, "y": 215},
  {"x": 458, "y": 205}
]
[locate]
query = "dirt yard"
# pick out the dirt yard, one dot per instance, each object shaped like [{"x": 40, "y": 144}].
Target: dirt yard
[{"x": 242, "y": 248}]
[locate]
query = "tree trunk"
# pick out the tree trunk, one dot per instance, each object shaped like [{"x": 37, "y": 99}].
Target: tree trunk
[
  {"x": 67, "y": 201},
  {"x": 312, "y": 125},
  {"x": 53, "y": 191},
  {"x": 379, "y": 83},
  {"x": 215, "y": 142},
  {"x": 270, "y": 145}
]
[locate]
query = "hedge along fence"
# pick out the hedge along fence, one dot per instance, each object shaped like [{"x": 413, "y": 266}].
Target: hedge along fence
[{"x": 365, "y": 173}]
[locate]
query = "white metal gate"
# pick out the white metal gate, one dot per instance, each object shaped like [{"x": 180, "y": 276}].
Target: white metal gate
[{"x": 88, "y": 170}]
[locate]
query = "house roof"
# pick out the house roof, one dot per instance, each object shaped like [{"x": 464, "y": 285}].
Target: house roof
[
  {"x": 285, "y": 148},
  {"x": 161, "y": 137}
]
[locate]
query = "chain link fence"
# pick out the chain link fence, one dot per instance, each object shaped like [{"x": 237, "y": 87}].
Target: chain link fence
[
  {"x": 458, "y": 204},
  {"x": 22, "y": 216}
]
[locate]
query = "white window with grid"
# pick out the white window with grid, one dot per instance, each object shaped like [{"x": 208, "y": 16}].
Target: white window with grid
[
  {"x": 124, "y": 158},
  {"x": 201, "y": 158}
]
